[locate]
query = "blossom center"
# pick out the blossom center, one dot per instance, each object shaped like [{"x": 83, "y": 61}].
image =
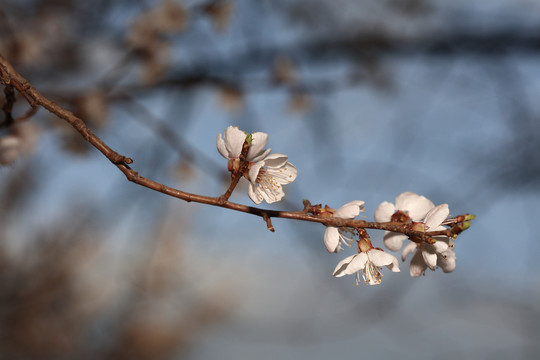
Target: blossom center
[
  {"x": 370, "y": 273},
  {"x": 267, "y": 182},
  {"x": 400, "y": 216}
]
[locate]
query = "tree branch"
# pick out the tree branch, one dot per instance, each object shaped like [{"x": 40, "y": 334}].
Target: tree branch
[{"x": 9, "y": 77}]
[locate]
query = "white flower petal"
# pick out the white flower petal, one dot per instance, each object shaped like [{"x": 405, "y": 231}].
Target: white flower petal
[
  {"x": 384, "y": 212},
  {"x": 339, "y": 271},
  {"x": 285, "y": 174},
  {"x": 380, "y": 258},
  {"x": 393, "y": 240},
  {"x": 258, "y": 142},
  {"x": 270, "y": 193},
  {"x": 447, "y": 265},
  {"x": 447, "y": 261},
  {"x": 404, "y": 200},
  {"x": 261, "y": 156},
  {"x": 254, "y": 195},
  {"x": 220, "y": 143},
  {"x": 430, "y": 259},
  {"x": 331, "y": 239},
  {"x": 436, "y": 216},
  {"x": 254, "y": 171},
  {"x": 357, "y": 263},
  {"x": 418, "y": 265},
  {"x": 394, "y": 266},
  {"x": 275, "y": 160},
  {"x": 418, "y": 209},
  {"x": 234, "y": 140},
  {"x": 407, "y": 250},
  {"x": 350, "y": 210},
  {"x": 439, "y": 246}
]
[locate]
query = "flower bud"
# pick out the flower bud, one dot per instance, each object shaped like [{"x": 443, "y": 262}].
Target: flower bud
[{"x": 464, "y": 225}]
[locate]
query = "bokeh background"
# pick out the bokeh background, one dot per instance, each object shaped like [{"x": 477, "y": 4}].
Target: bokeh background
[{"x": 368, "y": 98}]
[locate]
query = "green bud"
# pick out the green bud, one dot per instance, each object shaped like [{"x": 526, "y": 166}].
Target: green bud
[
  {"x": 249, "y": 139},
  {"x": 465, "y": 225},
  {"x": 470, "y": 217}
]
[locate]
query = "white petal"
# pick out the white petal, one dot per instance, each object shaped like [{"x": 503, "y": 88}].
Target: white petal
[
  {"x": 418, "y": 209},
  {"x": 234, "y": 140},
  {"x": 357, "y": 263},
  {"x": 271, "y": 194},
  {"x": 447, "y": 261},
  {"x": 404, "y": 199},
  {"x": 436, "y": 216},
  {"x": 261, "y": 156},
  {"x": 430, "y": 259},
  {"x": 393, "y": 240},
  {"x": 440, "y": 246},
  {"x": 407, "y": 250},
  {"x": 254, "y": 171},
  {"x": 220, "y": 143},
  {"x": 447, "y": 265},
  {"x": 275, "y": 160},
  {"x": 331, "y": 239},
  {"x": 394, "y": 266},
  {"x": 258, "y": 142},
  {"x": 418, "y": 265},
  {"x": 339, "y": 271},
  {"x": 384, "y": 212},
  {"x": 254, "y": 195},
  {"x": 285, "y": 174},
  {"x": 380, "y": 258},
  {"x": 350, "y": 210},
  {"x": 448, "y": 254}
]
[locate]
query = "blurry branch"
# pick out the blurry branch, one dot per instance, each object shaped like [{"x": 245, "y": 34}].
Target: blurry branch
[{"x": 9, "y": 76}]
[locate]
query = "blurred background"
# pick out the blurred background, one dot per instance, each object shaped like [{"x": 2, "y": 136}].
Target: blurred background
[{"x": 368, "y": 98}]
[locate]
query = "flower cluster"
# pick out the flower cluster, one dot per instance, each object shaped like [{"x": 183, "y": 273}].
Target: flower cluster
[
  {"x": 368, "y": 260},
  {"x": 419, "y": 214},
  {"x": 267, "y": 173},
  {"x": 414, "y": 217},
  {"x": 430, "y": 231}
]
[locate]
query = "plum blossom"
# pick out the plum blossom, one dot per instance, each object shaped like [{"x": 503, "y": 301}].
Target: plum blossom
[
  {"x": 230, "y": 144},
  {"x": 409, "y": 207},
  {"x": 268, "y": 176},
  {"x": 267, "y": 173},
  {"x": 333, "y": 236},
  {"x": 429, "y": 255},
  {"x": 370, "y": 263}
]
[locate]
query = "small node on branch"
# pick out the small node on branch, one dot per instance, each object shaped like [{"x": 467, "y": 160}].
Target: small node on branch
[
  {"x": 307, "y": 206},
  {"x": 269, "y": 225}
]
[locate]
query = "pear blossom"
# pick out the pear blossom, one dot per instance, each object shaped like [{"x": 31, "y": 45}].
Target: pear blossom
[
  {"x": 333, "y": 236},
  {"x": 268, "y": 176},
  {"x": 230, "y": 144},
  {"x": 370, "y": 263},
  {"x": 409, "y": 207},
  {"x": 430, "y": 255}
]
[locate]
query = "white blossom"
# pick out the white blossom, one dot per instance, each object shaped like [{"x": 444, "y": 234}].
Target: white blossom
[
  {"x": 333, "y": 236},
  {"x": 428, "y": 255},
  {"x": 268, "y": 176},
  {"x": 412, "y": 206},
  {"x": 230, "y": 144},
  {"x": 370, "y": 263}
]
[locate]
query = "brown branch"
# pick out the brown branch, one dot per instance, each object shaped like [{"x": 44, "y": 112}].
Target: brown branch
[
  {"x": 239, "y": 172},
  {"x": 8, "y": 76}
]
